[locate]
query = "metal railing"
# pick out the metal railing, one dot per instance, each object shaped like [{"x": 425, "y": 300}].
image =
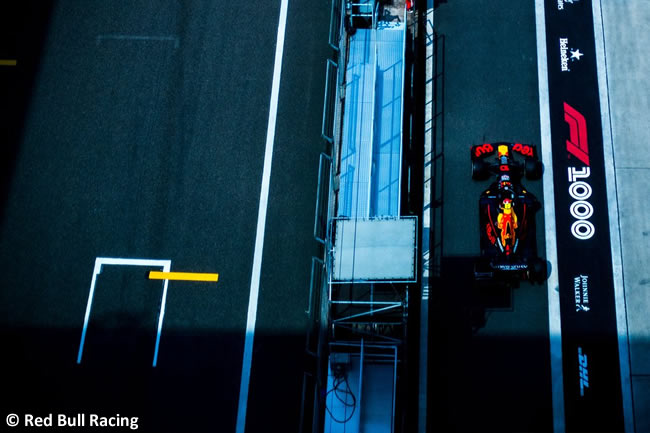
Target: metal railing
[
  {"x": 331, "y": 81},
  {"x": 316, "y": 285},
  {"x": 310, "y": 420},
  {"x": 362, "y": 8},
  {"x": 336, "y": 23},
  {"x": 323, "y": 190},
  {"x": 438, "y": 155}
]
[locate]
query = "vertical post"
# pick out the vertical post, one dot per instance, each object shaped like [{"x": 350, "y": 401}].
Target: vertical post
[{"x": 360, "y": 392}]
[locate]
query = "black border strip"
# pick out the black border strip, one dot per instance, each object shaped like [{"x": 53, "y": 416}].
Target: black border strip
[{"x": 591, "y": 371}]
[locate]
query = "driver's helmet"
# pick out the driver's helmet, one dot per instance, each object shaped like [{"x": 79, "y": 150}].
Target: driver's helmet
[
  {"x": 504, "y": 182},
  {"x": 503, "y": 153},
  {"x": 507, "y": 204}
]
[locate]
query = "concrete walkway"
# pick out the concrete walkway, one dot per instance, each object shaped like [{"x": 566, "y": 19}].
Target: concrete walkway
[{"x": 625, "y": 29}]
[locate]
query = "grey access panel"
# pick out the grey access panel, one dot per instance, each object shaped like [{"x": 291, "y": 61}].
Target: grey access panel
[{"x": 374, "y": 250}]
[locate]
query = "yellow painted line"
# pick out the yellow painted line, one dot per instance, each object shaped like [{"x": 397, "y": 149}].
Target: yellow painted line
[
  {"x": 8, "y": 62},
  {"x": 183, "y": 276}
]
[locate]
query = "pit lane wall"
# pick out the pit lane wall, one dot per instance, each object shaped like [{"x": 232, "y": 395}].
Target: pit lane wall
[{"x": 362, "y": 226}]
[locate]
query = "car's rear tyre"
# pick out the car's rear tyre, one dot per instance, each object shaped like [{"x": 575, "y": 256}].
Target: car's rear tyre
[
  {"x": 537, "y": 272},
  {"x": 533, "y": 169},
  {"x": 479, "y": 169},
  {"x": 482, "y": 270}
]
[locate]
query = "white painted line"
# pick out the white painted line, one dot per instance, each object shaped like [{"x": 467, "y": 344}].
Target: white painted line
[
  {"x": 161, "y": 315},
  {"x": 261, "y": 223},
  {"x": 91, "y": 294},
  {"x": 554, "y": 320},
  {"x": 131, "y": 262},
  {"x": 173, "y": 39},
  {"x": 614, "y": 229},
  {"x": 99, "y": 262}
]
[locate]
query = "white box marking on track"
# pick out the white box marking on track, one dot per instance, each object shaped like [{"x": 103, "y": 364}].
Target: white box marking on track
[{"x": 101, "y": 261}]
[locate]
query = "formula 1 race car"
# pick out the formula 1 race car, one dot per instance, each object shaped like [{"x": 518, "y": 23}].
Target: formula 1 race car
[{"x": 507, "y": 213}]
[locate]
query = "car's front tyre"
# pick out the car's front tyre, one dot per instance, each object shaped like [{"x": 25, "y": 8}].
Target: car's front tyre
[
  {"x": 533, "y": 169},
  {"x": 479, "y": 169}
]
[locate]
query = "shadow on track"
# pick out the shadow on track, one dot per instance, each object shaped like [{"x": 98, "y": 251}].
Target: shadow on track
[{"x": 22, "y": 38}]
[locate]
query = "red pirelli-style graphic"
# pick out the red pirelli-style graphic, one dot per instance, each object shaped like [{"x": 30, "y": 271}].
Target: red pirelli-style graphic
[
  {"x": 484, "y": 149},
  {"x": 524, "y": 149},
  {"x": 577, "y": 144}
]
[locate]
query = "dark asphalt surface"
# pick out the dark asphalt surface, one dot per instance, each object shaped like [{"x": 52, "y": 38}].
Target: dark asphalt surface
[
  {"x": 153, "y": 148},
  {"x": 489, "y": 348}
]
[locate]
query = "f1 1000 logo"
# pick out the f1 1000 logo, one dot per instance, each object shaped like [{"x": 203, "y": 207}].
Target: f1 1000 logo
[{"x": 579, "y": 190}]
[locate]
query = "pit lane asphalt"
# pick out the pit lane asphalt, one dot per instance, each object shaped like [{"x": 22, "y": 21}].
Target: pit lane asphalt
[
  {"x": 152, "y": 147},
  {"x": 489, "y": 364}
]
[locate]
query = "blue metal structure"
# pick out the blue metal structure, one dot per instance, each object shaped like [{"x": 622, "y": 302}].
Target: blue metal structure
[
  {"x": 370, "y": 249},
  {"x": 370, "y": 166}
]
